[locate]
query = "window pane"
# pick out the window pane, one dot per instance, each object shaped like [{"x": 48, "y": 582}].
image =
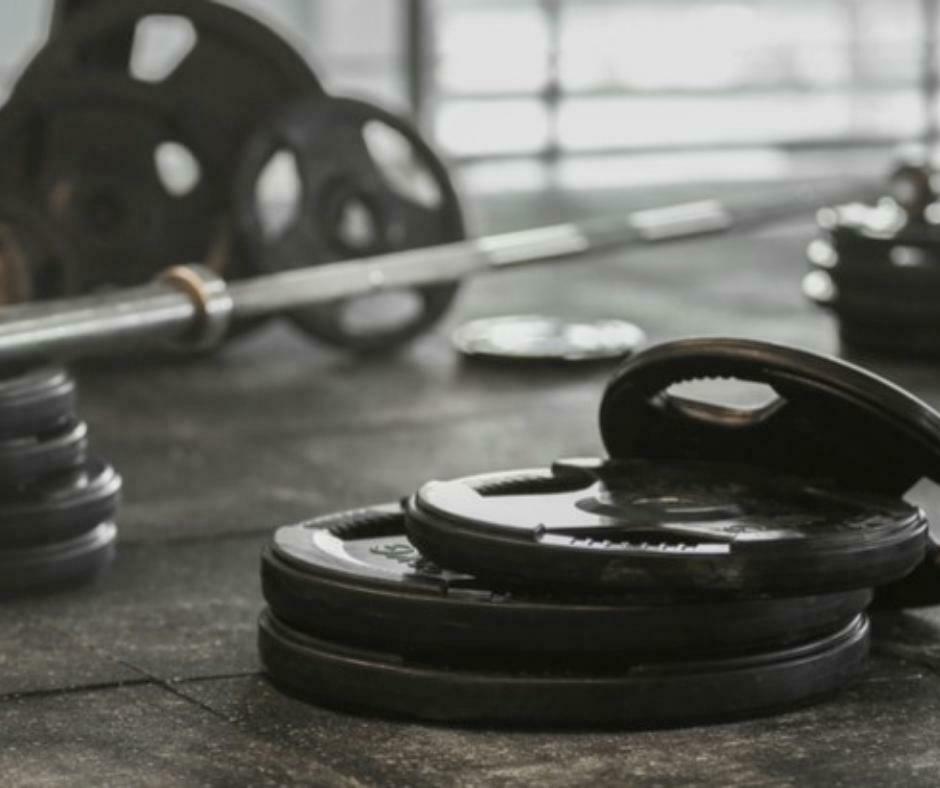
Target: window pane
[
  {"x": 586, "y": 124},
  {"x": 491, "y": 47},
  {"x": 488, "y": 127}
]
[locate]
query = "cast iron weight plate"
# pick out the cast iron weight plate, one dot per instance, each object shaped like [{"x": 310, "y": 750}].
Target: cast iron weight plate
[
  {"x": 354, "y": 577},
  {"x": 678, "y": 525},
  {"x": 542, "y": 339},
  {"x": 60, "y": 507},
  {"x": 832, "y": 421},
  {"x": 57, "y": 566},
  {"x": 636, "y": 695},
  {"x": 34, "y": 400},
  {"x": 235, "y": 73},
  {"x": 27, "y": 460},
  {"x": 350, "y": 207}
]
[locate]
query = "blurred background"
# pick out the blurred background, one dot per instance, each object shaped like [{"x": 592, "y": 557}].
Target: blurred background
[{"x": 520, "y": 91}]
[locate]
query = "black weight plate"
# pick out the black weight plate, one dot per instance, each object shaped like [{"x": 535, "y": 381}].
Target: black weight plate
[
  {"x": 33, "y": 257},
  {"x": 890, "y": 302},
  {"x": 27, "y": 460},
  {"x": 34, "y": 400},
  {"x": 893, "y": 266},
  {"x": 91, "y": 171},
  {"x": 676, "y": 525},
  {"x": 636, "y": 695},
  {"x": 831, "y": 421},
  {"x": 60, "y": 507},
  {"x": 88, "y": 128},
  {"x": 867, "y": 333},
  {"x": 349, "y": 206},
  {"x": 57, "y": 566},
  {"x": 354, "y": 577}
]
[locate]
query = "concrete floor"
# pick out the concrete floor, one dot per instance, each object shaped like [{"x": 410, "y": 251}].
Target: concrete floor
[{"x": 151, "y": 677}]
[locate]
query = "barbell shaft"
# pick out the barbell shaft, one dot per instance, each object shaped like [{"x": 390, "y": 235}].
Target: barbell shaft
[{"x": 165, "y": 312}]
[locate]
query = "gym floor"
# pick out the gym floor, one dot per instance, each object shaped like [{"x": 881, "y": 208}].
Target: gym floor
[{"x": 151, "y": 676}]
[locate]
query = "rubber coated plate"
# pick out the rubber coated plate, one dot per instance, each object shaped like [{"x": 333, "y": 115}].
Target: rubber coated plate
[
  {"x": 366, "y": 184},
  {"x": 33, "y": 256},
  {"x": 872, "y": 334},
  {"x": 27, "y": 460},
  {"x": 875, "y": 267},
  {"x": 547, "y": 339},
  {"x": 645, "y": 525},
  {"x": 635, "y": 695},
  {"x": 355, "y": 577},
  {"x": 34, "y": 400},
  {"x": 830, "y": 420},
  {"x": 132, "y": 157},
  {"x": 60, "y": 507},
  {"x": 57, "y": 566}
]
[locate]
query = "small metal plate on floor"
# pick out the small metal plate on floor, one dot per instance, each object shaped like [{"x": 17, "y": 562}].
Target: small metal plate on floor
[{"x": 538, "y": 338}]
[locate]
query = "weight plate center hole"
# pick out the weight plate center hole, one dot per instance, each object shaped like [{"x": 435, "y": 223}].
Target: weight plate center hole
[
  {"x": 161, "y": 43},
  {"x": 400, "y": 165},
  {"x": 357, "y": 229},
  {"x": 278, "y": 195},
  {"x": 725, "y": 402},
  {"x": 177, "y": 167}
]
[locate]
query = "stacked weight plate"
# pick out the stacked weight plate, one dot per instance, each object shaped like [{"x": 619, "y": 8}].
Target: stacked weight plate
[
  {"x": 57, "y": 503},
  {"x": 877, "y": 268},
  {"x": 717, "y": 565}
]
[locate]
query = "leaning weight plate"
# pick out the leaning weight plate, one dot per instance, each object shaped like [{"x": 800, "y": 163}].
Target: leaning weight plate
[
  {"x": 57, "y": 566},
  {"x": 60, "y": 507},
  {"x": 367, "y": 184},
  {"x": 26, "y": 460},
  {"x": 673, "y": 525},
  {"x": 133, "y": 156},
  {"x": 34, "y": 400},
  {"x": 637, "y": 694},
  {"x": 830, "y": 421},
  {"x": 354, "y": 577}
]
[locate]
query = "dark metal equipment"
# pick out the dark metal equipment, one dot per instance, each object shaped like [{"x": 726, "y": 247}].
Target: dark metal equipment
[
  {"x": 876, "y": 268},
  {"x": 367, "y": 184},
  {"x": 661, "y": 585},
  {"x": 57, "y": 501},
  {"x": 194, "y": 306}
]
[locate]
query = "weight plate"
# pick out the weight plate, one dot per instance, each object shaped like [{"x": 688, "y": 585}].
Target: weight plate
[
  {"x": 57, "y": 566},
  {"x": 27, "y": 460},
  {"x": 830, "y": 421},
  {"x": 677, "y": 525},
  {"x": 912, "y": 184},
  {"x": 34, "y": 400},
  {"x": 354, "y": 577},
  {"x": 635, "y": 695},
  {"x": 866, "y": 333},
  {"x": 60, "y": 507},
  {"x": 366, "y": 184},
  {"x": 537, "y": 338},
  {"x": 873, "y": 267},
  {"x": 32, "y": 255},
  {"x": 132, "y": 158},
  {"x": 909, "y": 304}
]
